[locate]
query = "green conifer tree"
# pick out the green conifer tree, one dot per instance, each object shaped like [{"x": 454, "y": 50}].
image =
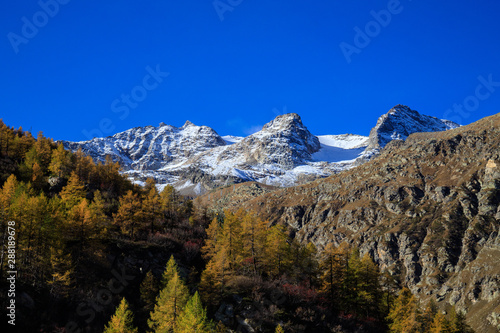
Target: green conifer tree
[{"x": 193, "y": 318}]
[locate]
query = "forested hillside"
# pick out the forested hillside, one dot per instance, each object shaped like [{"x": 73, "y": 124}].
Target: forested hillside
[{"x": 95, "y": 253}]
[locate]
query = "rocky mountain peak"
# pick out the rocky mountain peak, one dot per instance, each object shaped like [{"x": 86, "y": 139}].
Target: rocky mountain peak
[
  {"x": 290, "y": 127},
  {"x": 187, "y": 124},
  {"x": 401, "y": 121},
  {"x": 283, "y": 121}
]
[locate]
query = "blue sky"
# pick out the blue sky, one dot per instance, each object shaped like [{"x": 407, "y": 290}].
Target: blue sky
[{"x": 75, "y": 69}]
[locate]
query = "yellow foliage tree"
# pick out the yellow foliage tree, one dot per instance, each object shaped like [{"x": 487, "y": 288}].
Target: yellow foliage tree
[{"x": 122, "y": 320}]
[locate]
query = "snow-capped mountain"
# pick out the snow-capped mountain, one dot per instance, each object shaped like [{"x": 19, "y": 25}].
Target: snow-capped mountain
[
  {"x": 400, "y": 122},
  {"x": 284, "y": 153},
  {"x": 151, "y": 148}
]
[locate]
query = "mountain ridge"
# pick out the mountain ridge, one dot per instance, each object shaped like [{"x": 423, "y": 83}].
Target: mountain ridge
[{"x": 284, "y": 152}]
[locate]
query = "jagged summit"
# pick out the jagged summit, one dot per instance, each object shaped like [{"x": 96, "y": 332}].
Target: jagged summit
[
  {"x": 187, "y": 124},
  {"x": 284, "y": 152},
  {"x": 289, "y": 128},
  {"x": 401, "y": 121},
  {"x": 288, "y": 119}
]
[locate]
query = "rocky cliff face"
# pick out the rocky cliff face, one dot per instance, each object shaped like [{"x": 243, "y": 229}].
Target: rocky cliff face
[
  {"x": 151, "y": 148},
  {"x": 400, "y": 122},
  {"x": 427, "y": 210}
]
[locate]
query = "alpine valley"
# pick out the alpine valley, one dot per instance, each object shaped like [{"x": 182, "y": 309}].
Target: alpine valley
[{"x": 180, "y": 229}]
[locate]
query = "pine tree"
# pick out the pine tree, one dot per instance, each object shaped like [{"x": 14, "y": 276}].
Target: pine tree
[
  {"x": 193, "y": 318},
  {"x": 169, "y": 305},
  {"x": 122, "y": 320}
]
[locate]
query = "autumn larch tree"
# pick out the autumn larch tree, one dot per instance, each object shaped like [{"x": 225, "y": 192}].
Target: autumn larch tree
[
  {"x": 122, "y": 320},
  {"x": 169, "y": 306},
  {"x": 129, "y": 214}
]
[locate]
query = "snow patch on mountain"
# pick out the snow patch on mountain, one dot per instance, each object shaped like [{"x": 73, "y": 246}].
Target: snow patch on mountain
[{"x": 195, "y": 159}]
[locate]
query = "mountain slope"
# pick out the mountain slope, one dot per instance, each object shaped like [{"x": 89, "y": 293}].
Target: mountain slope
[
  {"x": 196, "y": 159},
  {"x": 426, "y": 209}
]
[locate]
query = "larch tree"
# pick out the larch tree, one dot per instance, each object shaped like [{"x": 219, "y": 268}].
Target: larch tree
[
  {"x": 440, "y": 324},
  {"x": 253, "y": 240},
  {"x": 169, "y": 305},
  {"x": 37, "y": 177},
  {"x": 61, "y": 272},
  {"x": 214, "y": 234},
  {"x": 60, "y": 162},
  {"x": 369, "y": 289},
  {"x": 151, "y": 205},
  {"x": 405, "y": 313},
  {"x": 96, "y": 215},
  {"x": 193, "y": 318},
  {"x": 333, "y": 265},
  {"x": 170, "y": 270},
  {"x": 215, "y": 277},
  {"x": 231, "y": 239},
  {"x": 277, "y": 251},
  {"x": 43, "y": 148},
  {"x": 122, "y": 321},
  {"x": 279, "y": 329},
  {"x": 129, "y": 214},
  {"x": 73, "y": 193}
]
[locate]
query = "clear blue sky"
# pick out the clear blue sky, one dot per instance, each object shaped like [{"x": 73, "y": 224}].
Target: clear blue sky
[{"x": 237, "y": 73}]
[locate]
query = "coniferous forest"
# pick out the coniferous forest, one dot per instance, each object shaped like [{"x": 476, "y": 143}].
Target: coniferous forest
[{"x": 96, "y": 253}]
